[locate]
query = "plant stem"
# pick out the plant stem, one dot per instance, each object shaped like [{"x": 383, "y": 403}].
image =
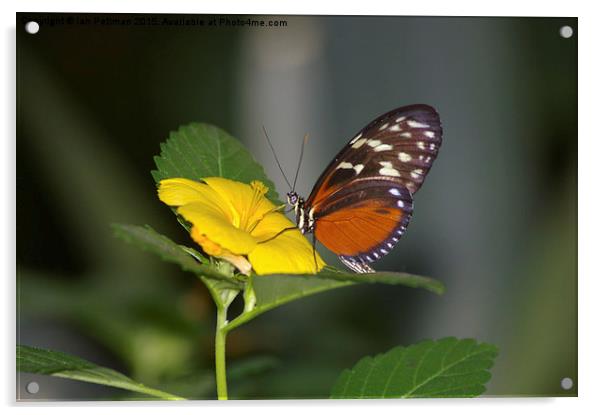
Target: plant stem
[
  {"x": 220, "y": 353},
  {"x": 222, "y": 296}
]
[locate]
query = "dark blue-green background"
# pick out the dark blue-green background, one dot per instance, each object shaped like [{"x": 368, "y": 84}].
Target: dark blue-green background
[{"x": 495, "y": 221}]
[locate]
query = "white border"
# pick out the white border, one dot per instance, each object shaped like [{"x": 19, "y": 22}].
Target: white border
[{"x": 590, "y": 152}]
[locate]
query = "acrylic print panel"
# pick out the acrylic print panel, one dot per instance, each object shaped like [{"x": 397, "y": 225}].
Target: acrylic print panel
[{"x": 159, "y": 256}]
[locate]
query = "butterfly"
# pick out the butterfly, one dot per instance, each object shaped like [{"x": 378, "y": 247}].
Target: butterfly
[{"x": 363, "y": 201}]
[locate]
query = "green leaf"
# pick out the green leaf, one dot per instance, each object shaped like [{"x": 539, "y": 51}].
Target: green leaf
[
  {"x": 53, "y": 363},
  {"x": 446, "y": 368},
  {"x": 149, "y": 240},
  {"x": 274, "y": 290},
  {"x": 384, "y": 277},
  {"x": 201, "y": 150}
]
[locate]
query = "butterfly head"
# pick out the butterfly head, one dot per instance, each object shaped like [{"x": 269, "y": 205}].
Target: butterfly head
[{"x": 294, "y": 200}]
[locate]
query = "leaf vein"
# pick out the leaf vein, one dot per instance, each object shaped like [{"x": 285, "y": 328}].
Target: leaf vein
[
  {"x": 443, "y": 369},
  {"x": 188, "y": 140},
  {"x": 421, "y": 362},
  {"x": 404, "y": 351},
  {"x": 372, "y": 365}
]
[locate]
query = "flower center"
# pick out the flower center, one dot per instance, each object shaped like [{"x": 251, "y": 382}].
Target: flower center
[{"x": 249, "y": 218}]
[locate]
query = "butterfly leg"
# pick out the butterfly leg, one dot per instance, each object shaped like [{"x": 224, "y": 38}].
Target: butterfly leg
[{"x": 292, "y": 228}]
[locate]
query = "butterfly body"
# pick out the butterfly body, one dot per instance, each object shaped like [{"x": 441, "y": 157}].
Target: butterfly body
[{"x": 363, "y": 201}]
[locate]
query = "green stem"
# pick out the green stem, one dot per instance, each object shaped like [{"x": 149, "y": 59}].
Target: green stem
[{"x": 220, "y": 353}]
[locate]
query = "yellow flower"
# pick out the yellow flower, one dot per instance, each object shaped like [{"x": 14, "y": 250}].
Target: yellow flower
[{"x": 235, "y": 222}]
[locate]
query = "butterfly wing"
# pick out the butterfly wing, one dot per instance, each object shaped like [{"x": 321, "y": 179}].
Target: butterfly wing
[
  {"x": 362, "y": 203},
  {"x": 363, "y": 222},
  {"x": 402, "y": 143}
]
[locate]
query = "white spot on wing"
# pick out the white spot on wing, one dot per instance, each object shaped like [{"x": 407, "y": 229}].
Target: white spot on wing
[
  {"x": 400, "y": 204},
  {"x": 358, "y": 168},
  {"x": 405, "y": 157},
  {"x": 432, "y": 146},
  {"x": 400, "y": 119},
  {"x": 429, "y": 134},
  {"x": 416, "y": 124},
  {"x": 345, "y": 165},
  {"x": 395, "y": 192},
  {"x": 374, "y": 143},
  {"x": 420, "y": 145},
  {"x": 406, "y": 135},
  {"x": 382, "y": 127},
  {"x": 395, "y": 128},
  {"x": 383, "y": 147},
  {"x": 359, "y": 143},
  {"x": 387, "y": 171},
  {"x": 416, "y": 173}
]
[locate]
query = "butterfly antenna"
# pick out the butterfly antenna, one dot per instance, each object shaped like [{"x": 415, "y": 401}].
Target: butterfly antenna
[
  {"x": 300, "y": 160},
  {"x": 275, "y": 157}
]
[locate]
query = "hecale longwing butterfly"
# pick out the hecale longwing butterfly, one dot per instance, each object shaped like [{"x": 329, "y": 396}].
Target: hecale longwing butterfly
[{"x": 362, "y": 203}]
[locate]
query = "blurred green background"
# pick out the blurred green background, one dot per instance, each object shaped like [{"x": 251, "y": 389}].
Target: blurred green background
[{"x": 495, "y": 221}]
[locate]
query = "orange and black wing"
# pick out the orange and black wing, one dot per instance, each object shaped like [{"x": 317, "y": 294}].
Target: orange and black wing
[
  {"x": 363, "y": 222},
  {"x": 402, "y": 144},
  {"x": 362, "y": 203}
]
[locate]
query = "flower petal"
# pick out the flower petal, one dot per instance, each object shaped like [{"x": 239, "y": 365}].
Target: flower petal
[
  {"x": 270, "y": 225},
  {"x": 288, "y": 253},
  {"x": 210, "y": 247},
  {"x": 215, "y": 250},
  {"x": 179, "y": 192},
  {"x": 249, "y": 203},
  {"x": 240, "y": 262},
  {"x": 210, "y": 221}
]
